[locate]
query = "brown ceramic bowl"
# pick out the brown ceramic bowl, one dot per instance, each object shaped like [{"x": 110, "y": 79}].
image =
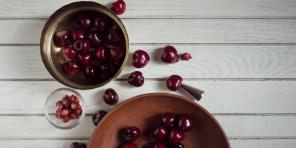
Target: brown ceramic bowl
[
  {"x": 142, "y": 111},
  {"x": 64, "y": 19}
]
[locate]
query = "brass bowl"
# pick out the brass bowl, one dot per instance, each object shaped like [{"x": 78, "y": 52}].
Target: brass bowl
[{"x": 52, "y": 56}]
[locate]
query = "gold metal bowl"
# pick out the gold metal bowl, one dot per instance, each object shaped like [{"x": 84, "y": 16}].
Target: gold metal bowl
[{"x": 52, "y": 56}]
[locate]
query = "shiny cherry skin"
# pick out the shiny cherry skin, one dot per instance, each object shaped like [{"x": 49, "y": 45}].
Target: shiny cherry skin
[
  {"x": 159, "y": 145},
  {"x": 77, "y": 34},
  {"x": 168, "y": 120},
  {"x": 101, "y": 23},
  {"x": 96, "y": 38},
  {"x": 113, "y": 36},
  {"x": 160, "y": 133},
  {"x": 62, "y": 39},
  {"x": 70, "y": 53},
  {"x": 179, "y": 145},
  {"x": 78, "y": 145},
  {"x": 140, "y": 58},
  {"x": 90, "y": 71},
  {"x": 118, "y": 7},
  {"x": 129, "y": 145},
  {"x": 84, "y": 21},
  {"x": 170, "y": 55},
  {"x": 85, "y": 59},
  {"x": 176, "y": 136},
  {"x": 100, "y": 54},
  {"x": 97, "y": 117},
  {"x": 184, "y": 123},
  {"x": 136, "y": 79},
  {"x": 186, "y": 56},
  {"x": 82, "y": 45},
  {"x": 174, "y": 82},
  {"x": 131, "y": 134},
  {"x": 110, "y": 96},
  {"x": 116, "y": 54},
  {"x": 71, "y": 67}
]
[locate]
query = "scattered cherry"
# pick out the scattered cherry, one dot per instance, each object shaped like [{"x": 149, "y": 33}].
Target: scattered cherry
[
  {"x": 82, "y": 45},
  {"x": 176, "y": 136},
  {"x": 136, "y": 78},
  {"x": 100, "y": 54},
  {"x": 110, "y": 96},
  {"x": 174, "y": 82},
  {"x": 129, "y": 145},
  {"x": 118, "y": 7},
  {"x": 168, "y": 120},
  {"x": 140, "y": 58},
  {"x": 71, "y": 67},
  {"x": 160, "y": 133},
  {"x": 84, "y": 21},
  {"x": 97, "y": 117},
  {"x": 170, "y": 54},
  {"x": 159, "y": 145},
  {"x": 131, "y": 134},
  {"x": 70, "y": 53},
  {"x": 77, "y": 34},
  {"x": 62, "y": 39},
  {"x": 78, "y": 145},
  {"x": 186, "y": 56},
  {"x": 184, "y": 123}
]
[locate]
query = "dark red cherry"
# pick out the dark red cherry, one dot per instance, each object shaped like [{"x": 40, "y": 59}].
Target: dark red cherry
[
  {"x": 116, "y": 54},
  {"x": 140, "y": 58},
  {"x": 62, "y": 39},
  {"x": 78, "y": 145},
  {"x": 159, "y": 145},
  {"x": 82, "y": 45},
  {"x": 110, "y": 96},
  {"x": 174, "y": 82},
  {"x": 186, "y": 56},
  {"x": 77, "y": 34},
  {"x": 97, "y": 117},
  {"x": 136, "y": 78},
  {"x": 70, "y": 53},
  {"x": 100, "y": 23},
  {"x": 100, "y": 54},
  {"x": 78, "y": 112},
  {"x": 129, "y": 145},
  {"x": 96, "y": 38},
  {"x": 176, "y": 136},
  {"x": 131, "y": 134},
  {"x": 84, "y": 21},
  {"x": 168, "y": 120},
  {"x": 184, "y": 123},
  {"x": 71, "y": 67},
  {"x": 113, "y": 36},
  {"x": 90, "y": 71},
  {"x": 169, "y": 55},
  {"x": 179, "y": 145},
  {"x": 118, "y": 7},
  {"x": 160, "y": 133},
  {"x": 85, "y": 59}
]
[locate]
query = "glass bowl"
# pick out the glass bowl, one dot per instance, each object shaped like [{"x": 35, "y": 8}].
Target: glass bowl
[{"x": 50, "y": 108}]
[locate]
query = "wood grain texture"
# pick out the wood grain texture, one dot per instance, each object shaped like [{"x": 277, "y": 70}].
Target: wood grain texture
[
  {"x": 164, "y": 9},
  {"x": 209, "y": 61},
  {"x": 27, "y": 31},
  {"x": 21, "y": 127},
  {"x": 28, "y": 97}
]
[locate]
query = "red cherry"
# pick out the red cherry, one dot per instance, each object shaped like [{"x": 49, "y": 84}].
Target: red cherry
[
  {"x": 64, "y": 113},
  {"x": 118, "y": 7},
  {"x": 59, "y": 105},
  {"x": 160, "y": 133},
  {"x": 140, "y": 58},
  {"x": 62, "y": 39},
  {"x": 74, "y": 106},
  {"x": 100, "y": 54},
  {"x": 131, "y": 134},
  {"x": 71, "y": 68},
  {"x": 58, "y": 114},
  {"x": 129, "y": 145},
  {"x": 65, "y": 119},
  {"x": 85, "y": 59},
  {"x": 116, "y": 54},
  {"x": 77, "y": 34},
  {"x": 174, "y": 82},
  {"x": 90, "y": 71},
  {"x": 78, "y": 112},
  {"x": 136, "y": 78},
  {"x": 176, "y": 137},
  {"x": 96, "y": 38},
  {"x": 114, "y": 36},
  {"x": 159, "y": 145},
  {"x": 97, "y": 117},
  {"x": 170, "y": 55},
  {"x": 168, "y": 120},
  {"x": 186, "y": 56},
  {"x": 84, "y": 21},
  {"x": 100, "y": 23},
  {"x": 70, "y": 53},
  {"x": 110, "y": 96},
  {"x": 184, "y": 123},
  {"x": 82, "y": 45}
]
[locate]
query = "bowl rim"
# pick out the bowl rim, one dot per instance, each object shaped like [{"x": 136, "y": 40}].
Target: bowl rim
[
  {"x": 54, "y": 17},
  {"x": 135, "y": 98}
]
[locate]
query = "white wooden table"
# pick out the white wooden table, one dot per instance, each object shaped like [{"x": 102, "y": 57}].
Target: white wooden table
[{"x": 244, "y": 57}]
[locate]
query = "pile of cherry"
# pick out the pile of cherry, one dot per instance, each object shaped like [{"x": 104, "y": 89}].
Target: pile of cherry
[
  {"x": 68, "y": 108},
  {"x": 169, "y": 134}
]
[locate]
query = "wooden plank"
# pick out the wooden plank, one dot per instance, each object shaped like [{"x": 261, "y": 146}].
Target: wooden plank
[
  {"x": 19, "y": 127},
  {"x": 209, "y": 61},
  {"x": 26, "y": 31},
  {"x": 241, "y": 143},
  {"x": 164, "y": 9},
  {"x": 28, "y": 97}
]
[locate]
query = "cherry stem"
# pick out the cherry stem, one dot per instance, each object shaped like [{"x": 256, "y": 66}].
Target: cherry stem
[{"x": 195, "y": 92}]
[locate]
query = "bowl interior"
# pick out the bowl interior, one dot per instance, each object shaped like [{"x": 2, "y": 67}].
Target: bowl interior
[
  {"x": 65, "y": 19},
  {"x": 143, "y": 111}
]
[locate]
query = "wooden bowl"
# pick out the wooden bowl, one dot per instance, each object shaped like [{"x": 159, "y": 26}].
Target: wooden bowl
[
  {"x": 142, "y": 111},
  {"x": 65, "y": 19}
]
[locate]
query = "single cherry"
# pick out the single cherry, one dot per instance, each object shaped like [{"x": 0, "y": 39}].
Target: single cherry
[
  {"x": 100, "y": 23},
  {"x": 118, "y": 7},
  {"x": 169, "y": 55},
  {"x": 186, "y": 56},
  {"x": 136, "y": 78},
  {"x": 168, "y": 120},
  {"x": 129, "y": 145},
  {"x": 160, "y": 133},
  {"x": 131, "y": 134},
  {"x": 159, "y": 145},
  {"x": 97, "y": 117},
  {"x": 96, "y": 38},
  {"x": 71, "y": 67},
  {"x": 100, "y": 54},
  {"x": 110, "y": 96},
  {"x": 62, "y": 39},
  {"x": 85, "y": 59},
  {"x": 77, "y": 34},
  {"x": 174, "y": 82},
  {"x": 116, "y": 54},
  {"x": 114, "y": 36},
  {"x": 176, "y": 137},
  {"x": 82, "y": 45},
  {"x": 78, "y": 145},
  {"x": 84, "y": 21},
  {"x": 90, "y": 71},
  {"x": 70, "y": 53},
  {"x": 184, "y": 123},
  {"x": 140, "y": 58}
]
